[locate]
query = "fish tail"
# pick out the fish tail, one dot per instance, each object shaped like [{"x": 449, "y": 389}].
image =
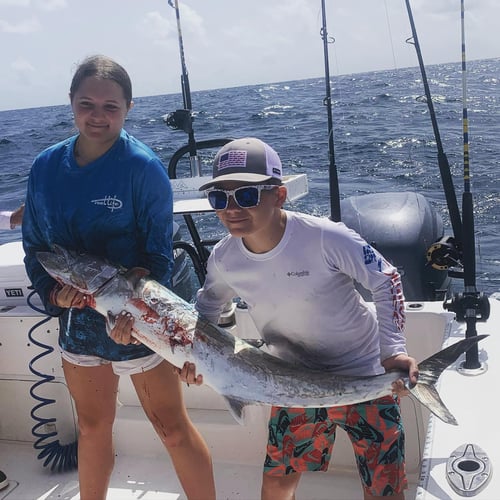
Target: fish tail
[{"x": 430, "y": 370}]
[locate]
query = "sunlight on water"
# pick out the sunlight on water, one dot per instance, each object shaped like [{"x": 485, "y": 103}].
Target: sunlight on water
[{"x": 383, "y": 139}]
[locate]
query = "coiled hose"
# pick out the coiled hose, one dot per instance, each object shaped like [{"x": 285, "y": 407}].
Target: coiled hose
[{"x": 60, "y": 457}]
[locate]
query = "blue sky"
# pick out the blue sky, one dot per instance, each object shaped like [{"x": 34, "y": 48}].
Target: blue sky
[{"x": 227, "y": 42}]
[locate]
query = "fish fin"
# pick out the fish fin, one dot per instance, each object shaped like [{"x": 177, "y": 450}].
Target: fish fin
[
  {"x": 135, "y": 274},
  {"x": 110, "y": 322},
  {"x": 241, "y": 345},
  {"x": 430, "y": 370},
  {"x": 429, "y": 397},
  {"x": 236, "y": 407},
  {"x": 257, "y": 343}
]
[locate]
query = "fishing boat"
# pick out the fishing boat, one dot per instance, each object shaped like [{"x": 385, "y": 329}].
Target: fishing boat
[{"x": 38, "y": 428}]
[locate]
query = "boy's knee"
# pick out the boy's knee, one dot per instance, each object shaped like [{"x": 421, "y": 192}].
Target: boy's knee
[{"x": 282, "y": 487}]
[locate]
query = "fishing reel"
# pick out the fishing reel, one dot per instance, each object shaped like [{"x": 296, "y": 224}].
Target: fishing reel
[
  {"x": 469, "y": 303},
  {"x": 180, "y": 119},
  {"x": 445, "y": 254}
]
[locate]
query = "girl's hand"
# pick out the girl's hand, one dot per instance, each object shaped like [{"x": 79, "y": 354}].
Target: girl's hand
[
  {"x": 121, "y": 329},
  {"x": 66, "y": 296}
]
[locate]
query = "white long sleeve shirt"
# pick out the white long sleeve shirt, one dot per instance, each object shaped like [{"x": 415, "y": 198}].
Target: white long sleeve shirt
[{"x": 302, "y": 299}]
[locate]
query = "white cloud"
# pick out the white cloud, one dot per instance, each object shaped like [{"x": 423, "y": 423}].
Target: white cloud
[
  {"x": 191, "y": 21},
  {"x": 14, "y": 3},
  {"x": 22, "y": 66},
  {"x": 161, "y": 29},
  {"x": 156, "y": 27},
  {"x": 50, "y": 5},
  {"x": 228, "y": 42},
  {"x": 22, "y": 27},
  {"x": 47, "y": 5}
]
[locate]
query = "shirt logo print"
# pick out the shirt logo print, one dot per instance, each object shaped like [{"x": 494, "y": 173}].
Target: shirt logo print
[
  {"x": 297, "y": 274},
  {"x": 110, "y": 202},
  {"x": 370, "y": 257}
]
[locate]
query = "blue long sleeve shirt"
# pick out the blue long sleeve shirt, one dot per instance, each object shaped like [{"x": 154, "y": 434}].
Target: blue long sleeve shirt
[{"x": 119, "y": 206}]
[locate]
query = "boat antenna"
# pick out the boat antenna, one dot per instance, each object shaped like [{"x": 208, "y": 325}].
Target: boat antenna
[
  {"x": 327, "y": 101},
  {"x": 183, "y": 118},
  {"x": 444, "y": 166}
]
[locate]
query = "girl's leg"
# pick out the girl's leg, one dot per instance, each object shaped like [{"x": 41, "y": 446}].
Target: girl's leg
[
  {"x": 94, "y": 390},
  {"x": 159, "y": 391}
]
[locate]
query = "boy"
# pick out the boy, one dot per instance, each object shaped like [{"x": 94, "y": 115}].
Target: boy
[{"x": 295, "y": 272}]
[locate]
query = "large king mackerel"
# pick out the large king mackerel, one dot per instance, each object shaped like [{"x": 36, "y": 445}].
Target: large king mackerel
[{"x": 241, "y": 373}]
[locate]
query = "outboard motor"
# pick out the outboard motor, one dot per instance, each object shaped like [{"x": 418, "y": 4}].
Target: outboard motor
[{"x": 402, "y": 226}]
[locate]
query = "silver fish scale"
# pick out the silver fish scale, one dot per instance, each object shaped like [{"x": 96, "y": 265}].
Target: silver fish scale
[
  {"x": 175, "y": 313},
  {"x": 159, "y": 299},
  {"x": 236, "y": 370}
]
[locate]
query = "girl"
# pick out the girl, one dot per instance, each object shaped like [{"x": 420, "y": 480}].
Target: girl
[{"x": 104, "y": 192}]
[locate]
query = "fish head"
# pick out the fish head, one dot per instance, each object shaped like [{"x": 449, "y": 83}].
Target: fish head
[{"x": 85, "y": 272}]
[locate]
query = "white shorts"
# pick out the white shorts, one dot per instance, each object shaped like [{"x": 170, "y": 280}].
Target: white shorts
[{"x": 128, "y": 367}]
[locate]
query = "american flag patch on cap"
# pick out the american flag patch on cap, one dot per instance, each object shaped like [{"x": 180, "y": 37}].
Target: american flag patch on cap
[{"x": 232, "y": 159}]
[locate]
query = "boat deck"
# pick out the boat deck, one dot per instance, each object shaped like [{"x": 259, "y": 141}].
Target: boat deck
[
  {"x": 144, "y": 471},
  {"x": 470, "y": 395},
  {"x": 153, "y": 478}
]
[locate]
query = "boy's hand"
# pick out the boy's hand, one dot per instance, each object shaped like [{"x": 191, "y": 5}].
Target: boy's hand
[
  {"x": 188, "y": 374},
  {"x": 402, "y": 362}
]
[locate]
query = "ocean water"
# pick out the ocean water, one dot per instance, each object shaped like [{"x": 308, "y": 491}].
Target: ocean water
[{"x": 382, "y": 133}]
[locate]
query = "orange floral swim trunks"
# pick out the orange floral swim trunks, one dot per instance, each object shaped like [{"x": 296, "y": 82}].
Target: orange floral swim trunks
[{"x": 301, "y": 439}]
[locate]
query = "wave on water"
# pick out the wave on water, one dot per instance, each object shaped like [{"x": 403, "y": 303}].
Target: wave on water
[{"x": 382, "y": 135}]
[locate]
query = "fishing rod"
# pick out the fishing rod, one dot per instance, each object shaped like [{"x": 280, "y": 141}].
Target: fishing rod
[
  {"x": 471, "y": 306},
  {"x": 444, "y": 166},
  {"x": 467, "y": 202},
  {"x": 327, "y": 101},
  {"x": 183, "y": 118}
]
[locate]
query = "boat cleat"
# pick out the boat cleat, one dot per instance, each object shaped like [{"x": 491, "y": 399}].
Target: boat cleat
[{"x": 468, "y": 470}]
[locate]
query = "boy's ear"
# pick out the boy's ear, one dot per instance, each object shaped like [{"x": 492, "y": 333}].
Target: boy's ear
[{"x": 282, "y": 194}]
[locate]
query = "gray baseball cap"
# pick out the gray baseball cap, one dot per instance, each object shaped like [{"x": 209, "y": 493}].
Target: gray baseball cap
[{"x": 246, "y": 160}]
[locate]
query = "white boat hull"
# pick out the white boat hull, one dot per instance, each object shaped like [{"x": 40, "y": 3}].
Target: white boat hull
[{"x": 143, "y": 469}]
